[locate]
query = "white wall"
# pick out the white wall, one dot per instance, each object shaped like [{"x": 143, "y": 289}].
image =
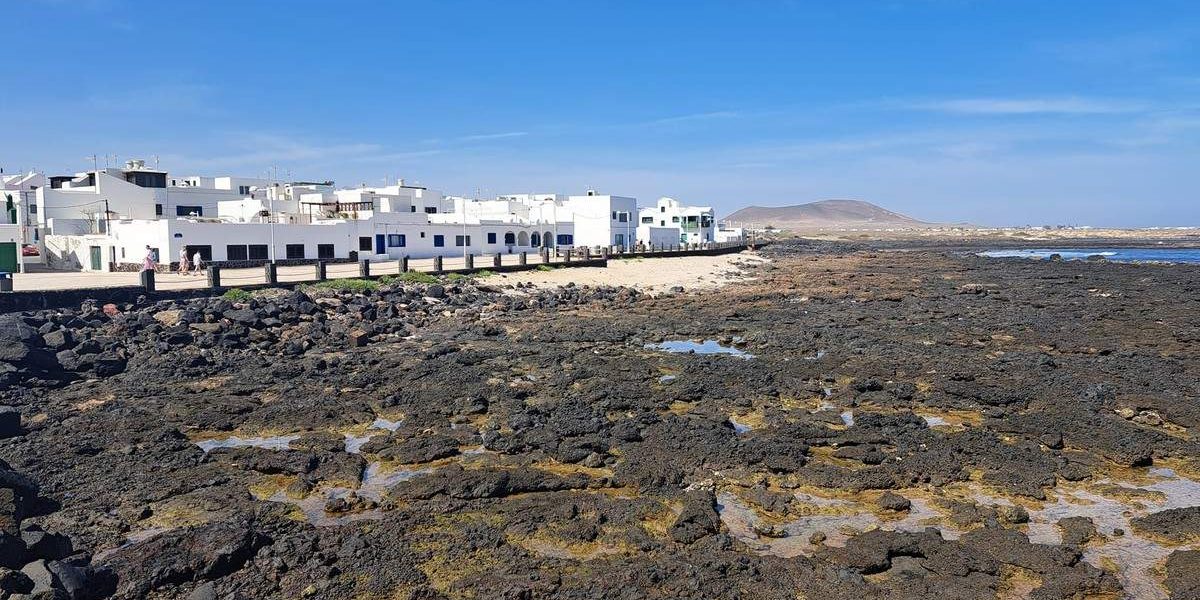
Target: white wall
[
  {"x": 596, "y": 224},
  {"x": 9, "y": 233},
  {"x": 658, "y": 236}
]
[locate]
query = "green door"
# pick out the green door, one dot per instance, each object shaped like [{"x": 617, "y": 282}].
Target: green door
[
  {"x": 8, "y": 257},
  {"x": 95, "y": 258}
]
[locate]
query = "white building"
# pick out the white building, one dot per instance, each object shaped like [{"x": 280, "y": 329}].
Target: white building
[
  {"x": 249, "y": 220},
  {"x": 691, "y": 224},
  {"x": 77, "y": 204},
  {"x": 22, "y": 188}
]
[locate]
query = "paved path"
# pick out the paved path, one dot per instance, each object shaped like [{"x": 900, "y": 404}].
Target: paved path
[{"x": 63, "y": 280}]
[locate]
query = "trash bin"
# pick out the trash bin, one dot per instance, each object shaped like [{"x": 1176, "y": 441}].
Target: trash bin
[{"x": 6, "y": 281}]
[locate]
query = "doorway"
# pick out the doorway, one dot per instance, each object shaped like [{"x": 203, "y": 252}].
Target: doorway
[{"x": 96, "y": 257}]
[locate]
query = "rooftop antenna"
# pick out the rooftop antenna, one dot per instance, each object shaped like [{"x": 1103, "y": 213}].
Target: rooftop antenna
[{"x": 156, "y": 161}]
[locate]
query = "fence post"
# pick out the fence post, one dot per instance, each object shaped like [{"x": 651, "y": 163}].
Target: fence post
[
  {"x": 320, "y": 270},
  {"x": 404, "y": 264},
  {"x": 568, "y": 256},
  {"x": 147, "y": 279},
  {"x": 524, "y": 260},
  {"x": 214, "y": 277},
  {"x": 497, "y": 260},
  {"x": 271, "y": 273},
  {"x": 587, "y": 252},
  {"x": 469, "y": 261},
  {"x": 545, "y": 252},
  {"x": 364, "y": 268},
  {"x": 437, "y": 264}
]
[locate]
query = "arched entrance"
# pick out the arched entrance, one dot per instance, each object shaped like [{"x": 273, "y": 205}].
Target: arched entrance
[
  {"x": 547, "y": 239},
  {"x": 522, "y": 239}
]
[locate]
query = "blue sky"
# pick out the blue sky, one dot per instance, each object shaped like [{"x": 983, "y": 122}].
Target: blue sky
[{"x": 993, "y": 112}]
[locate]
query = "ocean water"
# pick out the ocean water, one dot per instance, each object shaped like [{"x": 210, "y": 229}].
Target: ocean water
[
  {"x": 705, "y": 347},
  {"x": 1163, "y": 255}
]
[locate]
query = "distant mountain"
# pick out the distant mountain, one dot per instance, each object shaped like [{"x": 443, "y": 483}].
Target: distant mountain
[{"x": 824, "y": 214}]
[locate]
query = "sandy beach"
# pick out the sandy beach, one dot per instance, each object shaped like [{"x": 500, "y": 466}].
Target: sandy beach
[{"x": 650, "y": 275}]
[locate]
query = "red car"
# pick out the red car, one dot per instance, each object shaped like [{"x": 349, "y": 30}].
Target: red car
[{"x": 29, "y": 251}]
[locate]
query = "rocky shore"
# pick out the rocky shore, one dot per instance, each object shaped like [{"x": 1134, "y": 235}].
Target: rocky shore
[{"x": 861, "y": 423}]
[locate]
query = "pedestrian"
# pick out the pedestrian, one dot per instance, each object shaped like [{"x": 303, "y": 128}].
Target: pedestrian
[
  {"x": 149, "y": 263},
  {"x": 197, "y": 262},
  {"x": 183, "y": 261}
]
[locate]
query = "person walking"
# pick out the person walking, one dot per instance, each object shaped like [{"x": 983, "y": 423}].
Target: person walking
[
  {"x": 149, "y": 263},
  {"x": 184, "y": 266},
  {"x": 197, "y": 262}
]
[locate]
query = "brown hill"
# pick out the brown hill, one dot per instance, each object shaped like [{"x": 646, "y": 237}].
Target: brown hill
[{"x": 822, "y": 215}]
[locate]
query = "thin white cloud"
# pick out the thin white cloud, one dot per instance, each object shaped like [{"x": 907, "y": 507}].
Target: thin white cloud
[
  {"x": 706, "y": 116},
  {"x": 1029, "y": 106},
  {"x": 492, "y": 136}
]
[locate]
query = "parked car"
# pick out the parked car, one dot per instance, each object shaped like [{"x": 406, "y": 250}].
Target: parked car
[{"x": 28, "y": 250}]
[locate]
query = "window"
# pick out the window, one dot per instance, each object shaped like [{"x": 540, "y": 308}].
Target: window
[
  {"x": 535, "y": 240},
  {"x": 648, "y": 220},
  {"x": 364, "y": 244},
  {"x": 492, "y": 237},
  {"x": 235, "y": 252},
  {"x": 462, "y": 240},
  {"x": 623, "y": 217},
  {"x": 705, "y": 221},
  {"x": 244, "y": 190},
  {"x": 662, "y": 209},
  {"x": 662, "y": 223},
  {"x": 565, "y": 239},
  {"x": 205, "y": 252},
  {"x": 614, "y": 215},
  {"x": 257, "y": 252},
  {"x": 295, "y": 250},
  {"x": 620, "y": 239},
  {"x": 431, "y": 210},
  {"x": 189, "y": 211},
  {"x": 412, "y": 208},
  {"x": 33, "y": 209},
  {"x": 510, "y": 239},
  {"x": 674, "y": 219},
  {"x": 158, "y": 210},
  {"x": 396, "y": 240},
  {"x": 439, "y": 241},
  {"x": 422, "y": 235},
  {"x": 147, "y": 179},
  {"x": 324, "y": 250}
]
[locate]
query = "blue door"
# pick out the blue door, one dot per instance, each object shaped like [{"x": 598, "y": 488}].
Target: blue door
[{"x": 380, "y": 248}]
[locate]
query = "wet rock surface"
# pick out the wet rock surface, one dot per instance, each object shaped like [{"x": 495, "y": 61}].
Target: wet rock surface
[{"x": 893, "y": 424}]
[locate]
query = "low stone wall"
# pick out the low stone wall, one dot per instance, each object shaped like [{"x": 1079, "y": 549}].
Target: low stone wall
[
  {"x": 232, "y": 264},
  {"x": 36, "y": 300}
]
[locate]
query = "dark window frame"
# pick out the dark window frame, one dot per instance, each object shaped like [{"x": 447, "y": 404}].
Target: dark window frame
[
  {"x": 236, "y": 252},
  {"x": 258, "y": 252},
  {"x": 294, "y": 251}
]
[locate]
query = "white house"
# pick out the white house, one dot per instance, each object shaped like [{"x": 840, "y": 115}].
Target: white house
[
  {"x": 76, "y": 204},
  {"x": 692, "y": 224},
  {"x": 22, "y": 188}
]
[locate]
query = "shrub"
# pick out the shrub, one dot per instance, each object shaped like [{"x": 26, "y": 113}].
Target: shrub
[
  {"x": 348, "y": 285},
  {"x": 414, "y": 277},
  {"x": 544, "y": 268},
  {"x": 485, "y": 273},
  {"x": 456, "y": 277},
  {"x": 236, "y": 295}
]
